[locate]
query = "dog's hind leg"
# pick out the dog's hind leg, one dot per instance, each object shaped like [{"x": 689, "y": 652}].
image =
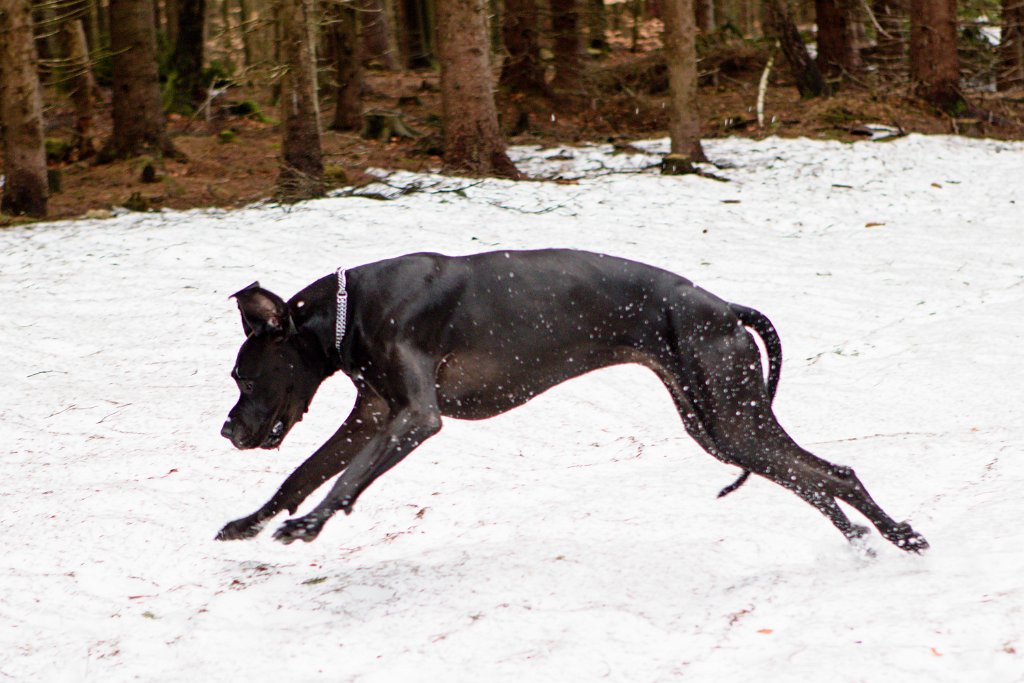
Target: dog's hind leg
[
  {"x": 821, "y": 483},
  {"x": 733, "y": 453},
  {"x": 758, "y": 322},
  {"x": 366, "y": 419},
  {"x": 692, "y": 421},
  {"x": 721, "y": 379}
]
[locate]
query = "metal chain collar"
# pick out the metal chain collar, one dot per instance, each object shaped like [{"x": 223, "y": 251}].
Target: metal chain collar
[{"x": 342, "y": 312}]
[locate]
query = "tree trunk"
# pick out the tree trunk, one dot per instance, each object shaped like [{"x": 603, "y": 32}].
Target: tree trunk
[
  {"x": 1010, "y": 73},
  {"x": 21, "y": 113},
  {"x": 244, "y": 27},
  {"x": 890, "y": 54},
  {"x": 636, "y": 12},
  {"x": 567, "y": 46},
  {"x": 778, "y": 22},
  {"x": 597, "y": 26},
  {"x": 704, "y": 11},
  {"x": 523, "y": 71},
  {"x": 837, "y": 48},
  {"x": 92, "y": 20},
  {"x": 173, "y": 8},
  {"x": 472, "y": 140},
  {"x": 158, "y": 20},
  {"x": 681, "y": 54},
  {"x": 47, "y": 45},
  {"x": 376, "y": 31},
  {"x": 343, "y": 33},
  {"x": 139, "y": 125},
  {"x": 417, "y": 21},
  {"x": 495, "y": 20},
  {"x": 748, "y": 18},
  {"x": 187, "y": 58},
  {"x": 82, "y": 85},
  {"x": 302, "y": 168},
  {"x": 226, "y": 32},
  {"x": 103, "y": 9},
  {"x": 934, "y": 66}
]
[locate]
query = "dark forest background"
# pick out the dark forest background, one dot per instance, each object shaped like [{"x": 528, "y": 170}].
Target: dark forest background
[{"x": 187, "y": 103}]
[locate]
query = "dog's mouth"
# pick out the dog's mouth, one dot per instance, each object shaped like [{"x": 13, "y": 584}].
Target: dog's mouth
[
  {"x": 275, "y": 436},
  {"x": 282, "y": 422}
]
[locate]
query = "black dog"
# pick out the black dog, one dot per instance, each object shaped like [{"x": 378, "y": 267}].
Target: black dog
[{"x": 425, "y": 336}]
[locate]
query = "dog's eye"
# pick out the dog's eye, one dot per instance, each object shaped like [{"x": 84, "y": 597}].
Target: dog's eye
[{"x": 246, "y": 386}]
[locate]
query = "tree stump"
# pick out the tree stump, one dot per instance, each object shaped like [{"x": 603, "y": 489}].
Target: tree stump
[
  {"x": 971, "y": 128},
  {"x": 384, "y": 124},
  {"x": 149, "y": 174},
  {"x": 677, "y": 164},
  {"x": 136, "y": 202}
]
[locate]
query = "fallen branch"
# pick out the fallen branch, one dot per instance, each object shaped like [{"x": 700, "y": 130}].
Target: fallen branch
[
  {"x": 402, "y": 190},
  {"x": 874, "y": 21},
  {"x": 762, "y": 87},
  {"x": 600, "y": 171},
  {"x": 539, "y": 212}
]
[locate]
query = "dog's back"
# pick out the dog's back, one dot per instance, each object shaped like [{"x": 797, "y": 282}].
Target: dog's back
[{"x": 505, "y": 326}]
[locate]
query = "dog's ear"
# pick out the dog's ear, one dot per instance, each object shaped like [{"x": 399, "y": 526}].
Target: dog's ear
[{"x": 263, "y": 311}]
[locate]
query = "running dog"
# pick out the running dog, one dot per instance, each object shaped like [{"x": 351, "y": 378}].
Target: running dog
[{"x": 427, "y": 336}]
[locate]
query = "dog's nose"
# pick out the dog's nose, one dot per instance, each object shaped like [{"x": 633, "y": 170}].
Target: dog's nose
[{"x": 226, "y": 430}]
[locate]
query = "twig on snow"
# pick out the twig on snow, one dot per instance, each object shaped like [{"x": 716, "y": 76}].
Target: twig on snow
[
  {"x": 548, "y": 209},
  {"x": 44, "y": 372}
]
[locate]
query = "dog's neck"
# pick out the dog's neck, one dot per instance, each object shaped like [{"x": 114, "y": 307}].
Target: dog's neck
[{"x": 320, "y": 312}]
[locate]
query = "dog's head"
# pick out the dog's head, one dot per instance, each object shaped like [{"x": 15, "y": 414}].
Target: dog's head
[{"x": 278, "y": 370}]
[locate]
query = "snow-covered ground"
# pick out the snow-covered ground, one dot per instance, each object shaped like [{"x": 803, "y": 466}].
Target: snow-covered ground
[{"x": 577, "y": 538}]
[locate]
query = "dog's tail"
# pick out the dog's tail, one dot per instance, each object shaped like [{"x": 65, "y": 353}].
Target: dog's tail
[
  {"x": 758, "y": 322},
  {"x": 736, "y": 484}
]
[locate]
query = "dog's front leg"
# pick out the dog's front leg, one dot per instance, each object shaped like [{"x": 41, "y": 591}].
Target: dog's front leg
[
  {"x": 368, "y": 416},
  {"x": 404, "y": 433},
  {"x": 413, "y": 417}
]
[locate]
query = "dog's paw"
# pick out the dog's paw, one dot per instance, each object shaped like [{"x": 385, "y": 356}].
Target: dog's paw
[
  {"x": 905, "y": 538},
  {"x": 240, "y": 529},
  {"x": 302, "y": 529},
  {"x": 860, "y": 542},
  {"x": 914, "y": 543}
]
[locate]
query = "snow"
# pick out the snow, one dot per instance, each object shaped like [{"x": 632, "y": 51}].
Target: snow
[{"x": 578, "y": 537}]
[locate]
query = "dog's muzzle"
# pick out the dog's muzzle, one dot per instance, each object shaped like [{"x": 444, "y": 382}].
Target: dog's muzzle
[
  {"x": 273, "y": 439},
  {"x": 228, "y": 432}
]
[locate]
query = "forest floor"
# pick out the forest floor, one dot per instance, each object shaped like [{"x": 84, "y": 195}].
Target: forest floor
[{"x": 243, "y": 170}]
